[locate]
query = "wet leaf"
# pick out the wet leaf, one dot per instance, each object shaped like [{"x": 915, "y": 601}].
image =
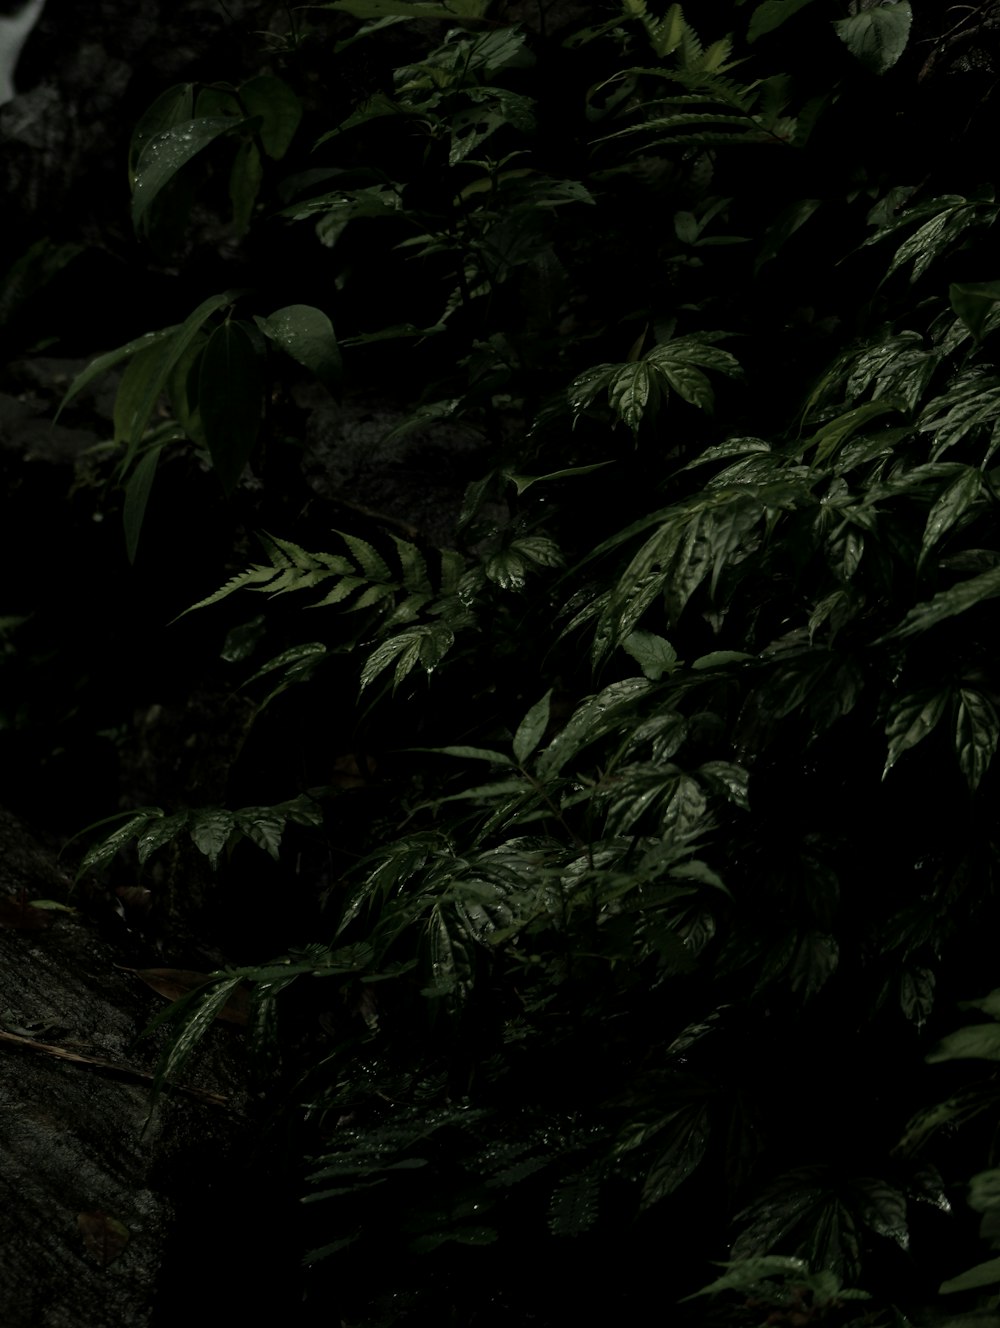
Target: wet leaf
[
  {"x": 307, "y": 335},
  {"x": 974, "y": 302},
  {"x": 167, "y": 152},
  {"x": 173, "y": 983},
  {"x": 683, "y": 1141}
]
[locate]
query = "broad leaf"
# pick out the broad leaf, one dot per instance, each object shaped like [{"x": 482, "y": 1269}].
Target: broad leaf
[
  {"x": 979, "y": 1042},
  {"x": 877, "y": 36},
  {"x": 167, "y": 152},
  {"x": 306, "y": 334},
  {"x": 911, "y": 719}
]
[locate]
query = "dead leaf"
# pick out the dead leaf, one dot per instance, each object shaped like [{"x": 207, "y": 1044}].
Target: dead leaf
[
  {"x": 350, "y": 771},
  {"x": 104, "y": 1237},
  {"x": 173, "y": 983},
  {"x": 21, "y": 914}
]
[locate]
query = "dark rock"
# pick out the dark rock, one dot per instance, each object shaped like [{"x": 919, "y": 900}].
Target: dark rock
[{"x": 97, "y": 1198}]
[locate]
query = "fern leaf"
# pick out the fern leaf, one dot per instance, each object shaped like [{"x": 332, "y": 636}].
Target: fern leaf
[
  {"x": 452, "y": 570},
  {"x": 256, "y": 577},
  {"x": 292, "y": 554},
  {"x": 371, "y": 562},
  {"x": 574, "y": 1205},
  {"x": 416, "y": 578},
  {"x": 344, "y": 587},
  {"x": 372, "y": 596}
]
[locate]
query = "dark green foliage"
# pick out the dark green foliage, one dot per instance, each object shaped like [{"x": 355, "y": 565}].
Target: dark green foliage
[{"x": 683, "y": 828}]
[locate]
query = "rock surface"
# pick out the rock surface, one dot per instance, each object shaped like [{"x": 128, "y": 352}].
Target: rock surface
[{"x": 95, "y": 1194}]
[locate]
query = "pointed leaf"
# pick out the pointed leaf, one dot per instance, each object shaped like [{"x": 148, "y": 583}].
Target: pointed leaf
[
  {"x": 947, "y": 603},
  {"x": 245, "y": 178},
  {"x": 279, "y": 109},
  {"x": 230, "y": 399},
  {"x": 982, "y": 1275},
  {"x": 910, "y": 720},
  {"x": 979, "y": 1042},
  {"x": 974, "y": 302},
  {"x": 977, "y": 728},
  {"x": 683, "y": 1142},
  {"x": 954, "y": 502},
  {"x": 166, "y": 152},
  {"x": 532, "y": 728},
  {"x": 173, "y": 107},
  {"x": 195, "y": 1014},
  {"x": 137, "y": 493},
  {"x": 108, "y": 361}
]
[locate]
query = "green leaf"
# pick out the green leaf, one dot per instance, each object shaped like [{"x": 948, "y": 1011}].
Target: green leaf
[
  {"x": 524, "y": 482},
  {"x": 195, "y": 1014},
  {"x": 131, "y": 414},
  {"x": 654, "y": 655},
  {"x": 772, "y": 14},
  {"x": 974, "y": 302},
  {"x": 684, "y": 1140},
  {"x": 574, "y": 1205},
  {"x": 982, "y": 1275},
  {"x": 230, "y": 399},
  {"x": 594, "y": 718},
  {"x": 166, "y": 152},
  {"x": 137, "y": 491},
  {"x": 263, "y": 826},
  {"x": 155, "y": 384},
  {"x": 746, "y": 1275},
  {"x": 952, "y": 505},
  {"x": 245, "y": 179},
  {"x": 720, "y": 659},
  {"x": 279, "y": 110},
  {"x": 629, "y": 393},
  {"x": 108, "y": 361},
  {"x": 470, "y": 753},
  {"x": 99, "y": 854},
  {"x": 984, "y": 1191},
  {"x": 160, "y": 832},
  {"x": 979, "y": 1042},
  {"x": 911, "y": 719},
  {"x": 532, "y": 728},
  {"x": 173, "y": 107},
  {"x": 454, "y": 9},
  {"x": 988, "y": 1004},
  {"x": 948, "y": 603},
  {"x": 977, "y": 728},
  {"x": 831, "y": 437},
  {"x": 210, "y": 828},
  {"x": 877, "y": 36},
  {"x": 306, "y": 334}
]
